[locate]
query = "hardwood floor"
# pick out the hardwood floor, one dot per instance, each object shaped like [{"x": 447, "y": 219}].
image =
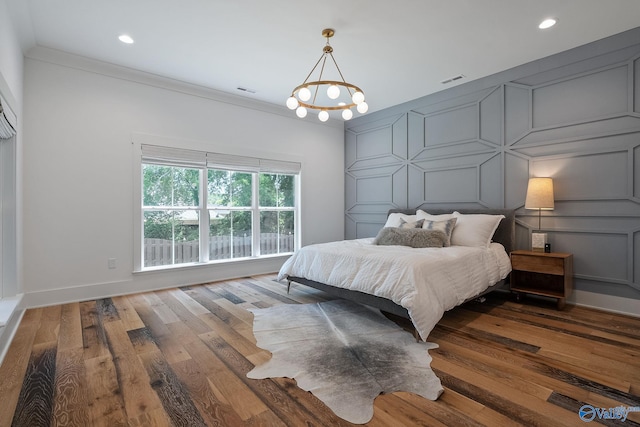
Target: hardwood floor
[{"x": 180, "y": 357}]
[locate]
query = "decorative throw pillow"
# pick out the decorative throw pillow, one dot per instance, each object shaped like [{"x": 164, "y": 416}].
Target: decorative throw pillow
[
  {"x": 394, "y": 219},
  {"x": 413, "y": 224},
  {"x": 413, "y": 237},
  {"x": 474, "y": 229},
  {"x": 420, "y": 214},
  {"x": 446, "y": 227}
]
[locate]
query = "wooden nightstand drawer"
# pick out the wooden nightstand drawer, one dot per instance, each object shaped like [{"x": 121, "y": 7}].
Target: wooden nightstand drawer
[{"x": 538, "y": 263}]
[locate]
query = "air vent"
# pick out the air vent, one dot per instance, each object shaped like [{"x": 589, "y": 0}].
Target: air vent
[
  {"x": 244, "y": 89},
  {"x": 453, "y": 79}
]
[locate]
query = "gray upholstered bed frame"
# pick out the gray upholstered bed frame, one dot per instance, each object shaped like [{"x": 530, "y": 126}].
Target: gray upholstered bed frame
[{"x": 505, "y": 234}]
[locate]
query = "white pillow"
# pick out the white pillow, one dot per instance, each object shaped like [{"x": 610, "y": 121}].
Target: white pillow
[
  {"x": 474, "y": 229},
  {"x": 395, "y": 219},
  {"x": 420, "y": 214}
]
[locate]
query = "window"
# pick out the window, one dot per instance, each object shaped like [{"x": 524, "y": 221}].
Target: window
[{"x": 208, "y": 207}]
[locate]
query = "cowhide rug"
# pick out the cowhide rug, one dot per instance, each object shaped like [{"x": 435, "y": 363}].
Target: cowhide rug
[{"x": 344, "y": 353}]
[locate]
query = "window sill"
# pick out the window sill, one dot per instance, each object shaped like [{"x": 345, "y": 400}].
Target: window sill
[
  {"x": 7, "y": 307},
  {"x": 202, "y": 265}
]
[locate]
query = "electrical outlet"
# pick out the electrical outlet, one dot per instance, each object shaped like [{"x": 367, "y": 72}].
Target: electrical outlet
[{"x": 111, "y": 263}]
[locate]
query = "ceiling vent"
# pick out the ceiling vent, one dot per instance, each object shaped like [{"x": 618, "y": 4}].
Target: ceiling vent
[{"x": 453, "y": 79}]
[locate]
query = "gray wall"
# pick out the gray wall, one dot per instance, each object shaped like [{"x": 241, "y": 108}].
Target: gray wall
[{"x": 574, "y": 116}]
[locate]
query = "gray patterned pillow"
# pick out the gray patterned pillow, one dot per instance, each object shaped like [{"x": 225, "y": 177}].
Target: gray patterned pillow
[
  {"x": 413, "y": 237},
  {"x": 413, "y": 224},
  {"x": 445, "y": 226}
]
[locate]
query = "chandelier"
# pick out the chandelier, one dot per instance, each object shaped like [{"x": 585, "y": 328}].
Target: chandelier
[{"x": 327, "y": 95}]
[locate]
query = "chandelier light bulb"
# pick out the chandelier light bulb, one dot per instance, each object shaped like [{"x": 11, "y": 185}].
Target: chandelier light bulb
[
  {"x": 347, "y": 114},
  {"x": 362, "y": 107},
  {"x": 301, "y": 112},
  {"x": 323, "y": 116},
  {"x": 292, "y": 103},
  {"x": 358, "y": 97},
  {"x": 304, "y": 94},
  {"x": 333, "y": 92}
]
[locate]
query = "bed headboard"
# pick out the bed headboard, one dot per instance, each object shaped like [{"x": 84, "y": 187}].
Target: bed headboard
[{"x": 505, "y": 233}]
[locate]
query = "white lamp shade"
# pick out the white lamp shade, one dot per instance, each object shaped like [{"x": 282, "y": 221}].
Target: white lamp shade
[
  {"x": 358, "y": 97},
  {"x": 363, "y": 107},
  {"x": 539, "y": 194},
  {"x": 323, "y": 116},
  {"x": 347, "y": 114}
]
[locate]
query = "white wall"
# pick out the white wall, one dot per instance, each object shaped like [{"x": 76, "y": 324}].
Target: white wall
[
  {"x": 78, "y": 185},
  {"x": 10, "y": 59}
]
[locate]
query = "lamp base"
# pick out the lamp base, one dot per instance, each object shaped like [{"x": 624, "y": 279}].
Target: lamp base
[{"x": 538, "y": 240}]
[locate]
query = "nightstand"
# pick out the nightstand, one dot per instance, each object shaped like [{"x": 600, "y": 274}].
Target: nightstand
[{"x": 539, "y": 273}]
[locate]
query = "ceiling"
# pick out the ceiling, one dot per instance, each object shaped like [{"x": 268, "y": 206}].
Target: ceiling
[{"x": 395, "y": 51}]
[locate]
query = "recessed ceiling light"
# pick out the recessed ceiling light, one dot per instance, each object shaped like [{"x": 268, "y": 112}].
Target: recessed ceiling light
[
  {"x": 547, "y": 23},
  {"x": 124, "y": 38}
]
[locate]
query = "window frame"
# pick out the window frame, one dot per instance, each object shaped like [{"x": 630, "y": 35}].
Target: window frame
[{"x": 204, "y": 209}]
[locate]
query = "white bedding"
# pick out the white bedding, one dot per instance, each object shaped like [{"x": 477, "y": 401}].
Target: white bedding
[{"x": 426, "y": 281}]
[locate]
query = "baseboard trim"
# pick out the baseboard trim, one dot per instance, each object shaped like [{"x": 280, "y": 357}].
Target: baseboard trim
[{"x": 609, "y": 303}]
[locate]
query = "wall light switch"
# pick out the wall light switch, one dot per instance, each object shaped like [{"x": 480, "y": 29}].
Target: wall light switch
[{"x": 111, "y": 263}]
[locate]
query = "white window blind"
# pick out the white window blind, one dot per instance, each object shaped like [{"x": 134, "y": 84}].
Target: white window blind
[
  {"x": 173, "y": 156},
  {"x": 191, "y": 158},
  {"x": 8, "y": 120},
  {"x": 250, "y": 164}
]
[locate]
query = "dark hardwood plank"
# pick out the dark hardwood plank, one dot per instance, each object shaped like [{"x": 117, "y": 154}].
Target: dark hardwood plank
[
  {"x": 12, "y": 371},
  {"x": 35, "y": 403}
]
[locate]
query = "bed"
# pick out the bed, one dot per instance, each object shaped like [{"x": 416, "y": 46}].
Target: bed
[{"x": 416, "y": 284}]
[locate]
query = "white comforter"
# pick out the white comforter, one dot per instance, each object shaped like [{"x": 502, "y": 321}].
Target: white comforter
[{"x": 427, "y": 282}]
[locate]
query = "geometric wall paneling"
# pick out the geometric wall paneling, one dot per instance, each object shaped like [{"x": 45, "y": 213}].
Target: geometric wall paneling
[
  {"x": 374, "y": 189},
  {"x": 399, "y": 137},
  {"x": 635, "y": 262},
  {"x": 516, "y": 179},
  {"x": 600, "y": 208},
  {"x": 451, "y": 185},
  {"x": 454, "y": 150},
  {"x": 454, "y": 125},
  {"x": 374, "y": 143},
  {"x": 349, "y": 191},
  {"x": 517, "y": 112},
  {"x": 415, "y": 190},
  {"x": 491, "y": 117},
  {"x": 636, "y": 172},
  {"x": 491, "y": 182},
  {"x": 581, "y": 98},
  {"x": 415, "y": 134},
  {"x": 447, "y": 104},
  {"x": 636, "y": 84},
  {"x": 375, "y": 165},
  {"x": 587, "y": 136},
  {"x": 453, "y": 161},
  {"x": 381, "y": 122},
  {"x": 582, "y": 176},
  {"x": 610, "y": 249}
]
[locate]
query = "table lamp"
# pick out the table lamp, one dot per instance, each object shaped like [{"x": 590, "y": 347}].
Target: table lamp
[{"x": 539, "y": 196}]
